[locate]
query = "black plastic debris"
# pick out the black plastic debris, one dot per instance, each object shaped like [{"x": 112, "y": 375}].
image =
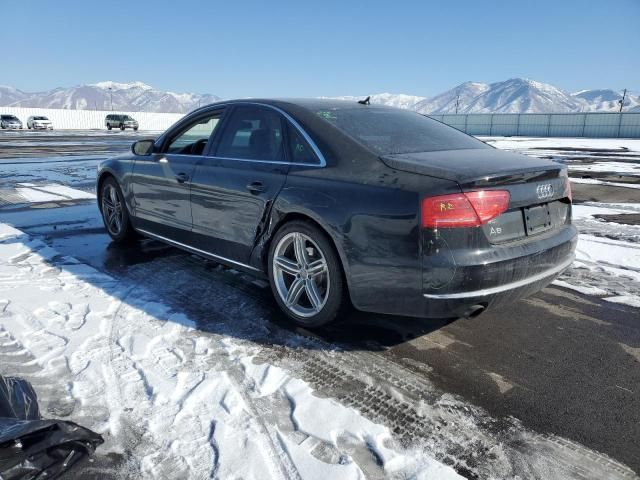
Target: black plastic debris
[{"x": 33, "y": 448}]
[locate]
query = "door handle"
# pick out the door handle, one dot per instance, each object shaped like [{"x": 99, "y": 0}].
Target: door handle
[
  {"x": 182, "y": 177},
  {"x": 256, "y": 187}
]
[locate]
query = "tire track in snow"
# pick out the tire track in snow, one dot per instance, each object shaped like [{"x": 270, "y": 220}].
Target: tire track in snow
[{"x": 462, "y": 436}]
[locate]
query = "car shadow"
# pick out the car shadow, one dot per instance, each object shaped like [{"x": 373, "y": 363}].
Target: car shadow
[{"x": 221, "y": 300}]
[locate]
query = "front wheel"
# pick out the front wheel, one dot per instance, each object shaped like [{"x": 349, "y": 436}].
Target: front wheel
[
  {"x": 306, "y": 275},
  {"x": 114, "y": 212},
  {"x": 108, "y": 127},
  {"x": 122, "y": 127}
]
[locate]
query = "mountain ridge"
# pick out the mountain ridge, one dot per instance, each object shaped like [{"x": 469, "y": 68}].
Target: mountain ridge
[{"x": 515, "y": 95}]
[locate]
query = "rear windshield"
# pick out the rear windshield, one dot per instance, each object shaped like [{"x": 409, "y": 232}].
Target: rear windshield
[{"x": 391, "y": 131}]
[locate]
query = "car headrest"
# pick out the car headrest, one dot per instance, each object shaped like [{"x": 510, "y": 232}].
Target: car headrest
[{"x": 260, "y": 143}]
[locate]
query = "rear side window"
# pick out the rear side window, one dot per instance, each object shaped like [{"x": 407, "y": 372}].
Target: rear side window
[
  {"x": 390, "y": 131},
  {"x": 299, "y": 150},
  {"x": 252, "y": 133}
]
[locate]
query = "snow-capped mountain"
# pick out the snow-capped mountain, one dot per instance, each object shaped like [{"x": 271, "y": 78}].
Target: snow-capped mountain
[
  {"x": 9, "y": 95},
  {"x": 606, "y": 100},
  {"x": 519, "y": 95},
  {"x": 130, "y": 97},
  {"x": 515, "y": 95},
  {"x": 446, "y": 101}
]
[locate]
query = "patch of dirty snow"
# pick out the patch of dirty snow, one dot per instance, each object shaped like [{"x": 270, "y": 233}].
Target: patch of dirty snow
[
  {"x": 179, "y": 402},
  {"x": 594, "y": 181}
]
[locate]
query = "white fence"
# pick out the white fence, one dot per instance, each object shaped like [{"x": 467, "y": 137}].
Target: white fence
[
  {"x": 609, "y": 125},
  {"x": 91, "y": 119}
]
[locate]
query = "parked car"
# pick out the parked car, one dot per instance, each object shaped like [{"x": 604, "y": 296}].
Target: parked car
[
  {"x": 120, "y": 121},
  {"x": 10, "y": 121},
  {"x": 340, "y": 203},
  {"x": 39, "y": 122}
]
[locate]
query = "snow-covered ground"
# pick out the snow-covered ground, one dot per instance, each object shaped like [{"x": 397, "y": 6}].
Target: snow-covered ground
[
  {"x": 182, "y": 404},
  {"x": 177, "y": 400},
  {"x": 608, "y": 255},
  {"x": 571, "y": 143}
]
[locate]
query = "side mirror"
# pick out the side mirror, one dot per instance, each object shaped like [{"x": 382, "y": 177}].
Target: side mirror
[{"x": 143, "y": 147}]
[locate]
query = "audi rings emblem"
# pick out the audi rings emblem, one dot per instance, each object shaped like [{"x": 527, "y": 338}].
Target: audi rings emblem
[{"x": 544, "y": 191}]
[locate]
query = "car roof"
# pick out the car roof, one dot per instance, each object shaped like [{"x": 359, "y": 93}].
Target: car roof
[{"x": 307, "y": 103}]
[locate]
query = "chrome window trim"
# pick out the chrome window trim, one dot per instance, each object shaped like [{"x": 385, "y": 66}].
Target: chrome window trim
[
  {"x": 503, "y": 288},
  {"x": 274, "y": 162},
  {"x": 196, "y": 250},
  {"x": 297, "y": 126}
]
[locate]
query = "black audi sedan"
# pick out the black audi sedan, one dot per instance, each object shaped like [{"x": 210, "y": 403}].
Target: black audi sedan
[{"x": 343, "y": 204}]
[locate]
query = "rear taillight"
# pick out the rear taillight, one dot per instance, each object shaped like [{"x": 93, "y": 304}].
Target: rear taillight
[
  {"x": 470, "y": 209},
  {"x": 567, "y": 190}
]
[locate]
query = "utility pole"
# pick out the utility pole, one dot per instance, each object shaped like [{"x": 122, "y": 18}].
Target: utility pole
[
  {"x": 111, "y": 98},
  {"x": 457, "y": 100},
  {"x": 621, "y": 102}
]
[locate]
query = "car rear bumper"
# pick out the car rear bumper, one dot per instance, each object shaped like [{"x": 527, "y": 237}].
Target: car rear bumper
[
  {"x": 516, "y": 272},
  {"x": 463, "y": 304}
]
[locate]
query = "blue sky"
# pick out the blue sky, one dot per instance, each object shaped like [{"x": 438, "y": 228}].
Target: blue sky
[{"x": 296, "y": 48}]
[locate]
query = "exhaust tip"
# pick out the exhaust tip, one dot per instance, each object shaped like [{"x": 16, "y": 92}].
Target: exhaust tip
[{"x": 474, "y": 311}]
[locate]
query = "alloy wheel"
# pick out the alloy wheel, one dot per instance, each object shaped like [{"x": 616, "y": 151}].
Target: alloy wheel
[
  {"x": 112, "y": 210},
  {"x": 301, "y": 274}
]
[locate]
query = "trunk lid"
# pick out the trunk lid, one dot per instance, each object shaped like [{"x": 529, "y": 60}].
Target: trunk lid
[
  {"x": 538, "y": 188},
  {"x": 467, "y": 167}
]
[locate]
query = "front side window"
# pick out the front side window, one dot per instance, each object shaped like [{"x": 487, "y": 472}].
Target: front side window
[
  {"x": 193, "y": 140},
  {"x": 252, "y": 133}
]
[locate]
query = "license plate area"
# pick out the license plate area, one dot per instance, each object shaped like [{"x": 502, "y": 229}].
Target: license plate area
[{"x": 537, "y": 219}]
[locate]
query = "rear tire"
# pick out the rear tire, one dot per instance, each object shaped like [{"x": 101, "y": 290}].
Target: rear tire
[
  {"x": 306, "y": 275},
  {"x": 114, "y": 212}
]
